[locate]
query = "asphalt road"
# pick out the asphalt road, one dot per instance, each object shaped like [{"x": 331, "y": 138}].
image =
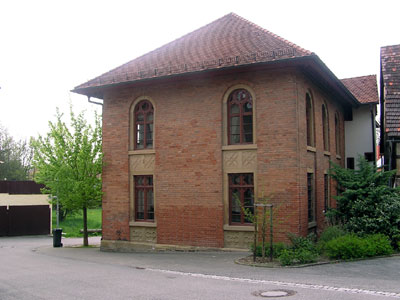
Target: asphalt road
[{"x": 31, "y": 269}]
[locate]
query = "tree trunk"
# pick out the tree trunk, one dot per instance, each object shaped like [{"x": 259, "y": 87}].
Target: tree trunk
[{"x": 85, "y": 232}]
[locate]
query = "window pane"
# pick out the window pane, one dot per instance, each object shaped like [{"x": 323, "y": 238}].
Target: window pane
[
  {"x": 235, "y": 139},
  {"x": 150, "y": 117},
  {"x": 140, "y": 205},
  {"x": 234, "y": 109},
  {"x": 235, "y": 122},
  {"x": 140, "y": 136},
  {"x": 247, "y": 107},
  {"x": 248, "y": 198},
  {"x": 235, "y": 200},
  {"x": 149, "y": 135},
  {"x": 248, "y": 138},
  {"x": 139, "y": 180},
  {"x": 150, "y": 202},
  {"x": 248, "y": 120},
  {"x": 140, "y": 117},
  {"x": 235, "y": 218},
  {"x": 248, "y": 129},
  {"x": 251, "y": 210},
  {"x": 140, "y": 200},
  {"x": 235, "y": 179},
  {"x": 248, "y": 179},
  {"x": 150, "y": 180}
]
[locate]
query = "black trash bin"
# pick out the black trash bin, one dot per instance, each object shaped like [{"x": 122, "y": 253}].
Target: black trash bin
[{"x": 57, "y": 233}]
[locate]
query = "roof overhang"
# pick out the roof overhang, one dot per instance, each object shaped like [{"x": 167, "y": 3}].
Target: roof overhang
[{"x": 311, "y": 66}]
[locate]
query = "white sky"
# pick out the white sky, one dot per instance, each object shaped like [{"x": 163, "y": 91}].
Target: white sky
[{"x": 49, "y": 47}]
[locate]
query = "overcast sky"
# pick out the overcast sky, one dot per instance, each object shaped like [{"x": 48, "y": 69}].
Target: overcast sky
[{"x": 49, "y": 47}]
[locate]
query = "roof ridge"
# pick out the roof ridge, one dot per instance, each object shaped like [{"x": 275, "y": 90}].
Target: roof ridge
[{"x": 272, "y": 34}]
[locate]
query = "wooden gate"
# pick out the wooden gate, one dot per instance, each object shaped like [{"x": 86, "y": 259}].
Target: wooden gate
[{"x": 24, "y": 220}]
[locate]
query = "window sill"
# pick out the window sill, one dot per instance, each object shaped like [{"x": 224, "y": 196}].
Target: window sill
[
  {"x": 312, "y": 224},
  {"x": 144, "y": 151},
  {"x": 311, "y": 149},
  {"x": 142, "y": 224},
  {"x": 327, "y": 153},
  {"x": 239, "y": 147},
  {"x": 228, "y": 227},
  {"x": 338, "y": 157}
]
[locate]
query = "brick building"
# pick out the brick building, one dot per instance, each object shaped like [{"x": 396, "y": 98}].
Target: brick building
[{"x": 219, "y": 116}]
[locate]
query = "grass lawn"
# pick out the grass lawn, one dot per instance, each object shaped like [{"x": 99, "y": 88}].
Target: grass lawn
[{"x": 74, "y": 223}]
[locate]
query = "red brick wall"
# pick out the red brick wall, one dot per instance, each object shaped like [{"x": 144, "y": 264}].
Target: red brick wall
[
  {"x": 188, "y": 177},
  {"x": 115, "y": 171}
]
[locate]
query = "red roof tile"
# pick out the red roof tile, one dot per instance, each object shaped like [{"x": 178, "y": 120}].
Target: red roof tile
[
  {"x": 364, "y": 88},
  {"x": 390, "y": 76},
  {"x": 226, "y": 42}
]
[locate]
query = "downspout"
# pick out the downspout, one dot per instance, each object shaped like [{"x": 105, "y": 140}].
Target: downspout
[
  {"x": 373, "y": 133},
  {"x": 390, "y": 142}
]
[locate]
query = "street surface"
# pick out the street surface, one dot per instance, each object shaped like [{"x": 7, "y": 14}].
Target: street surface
[{"x": 30, "y": 268}]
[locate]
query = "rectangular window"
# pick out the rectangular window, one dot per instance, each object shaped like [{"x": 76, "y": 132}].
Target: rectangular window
[
  {"x": 241, "y": 197},
  {"x": 310, "y": 197},
  {"x": 144, "y": 200},
  {"x": 369, "y": 156},
  {"x": 350, "y": 163},
  {"x": 326, "y": 191}
]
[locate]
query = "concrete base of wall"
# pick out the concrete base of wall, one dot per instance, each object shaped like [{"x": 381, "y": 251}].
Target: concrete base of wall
[{"x": 126, "y": 246}]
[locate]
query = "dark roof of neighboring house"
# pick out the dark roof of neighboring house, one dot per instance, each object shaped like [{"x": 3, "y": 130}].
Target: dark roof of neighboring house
[
  {"x": 229, "y": 42},
  {"x": 390, "y": 85},
  {"x": 364, "y": 88}
]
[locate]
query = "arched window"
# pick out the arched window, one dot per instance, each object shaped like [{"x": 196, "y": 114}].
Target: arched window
[
  {"x": 240, "y": 117},
  {"x": 143, "y": 128},
  {"x": 337, "y": 134},
  {"x": 310, "y": 121},
  {"x": 325, "y": 127}
]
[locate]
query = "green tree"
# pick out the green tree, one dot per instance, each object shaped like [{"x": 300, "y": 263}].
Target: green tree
[
  {"x": 366, "y": 205},
  {"x": 69, "y": 163},
  {"x": 15, "y": 157}
]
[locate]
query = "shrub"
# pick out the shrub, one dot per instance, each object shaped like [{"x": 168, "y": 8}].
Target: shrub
[
  {"x": 330, "y": 233},
  {"x": 299, "y": 242},
  {"x": 301, "y": 251},
  {"x": 367, "y": 205},
  {"x": 351, "y": 246},
  {"x": 304, "y": 256},
  {"x": 286, "y": 258},
  {"x": 277, "y": 249}
]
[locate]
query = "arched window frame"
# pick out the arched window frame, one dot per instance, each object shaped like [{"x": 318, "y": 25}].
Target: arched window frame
[
  {"x": 133, "y": 123},
  {"x": 325, "y": 127},
  {"x": 310, "y": 123},
  {"x": 337, "y": 134},
  {"x": 226, "y": 115}
]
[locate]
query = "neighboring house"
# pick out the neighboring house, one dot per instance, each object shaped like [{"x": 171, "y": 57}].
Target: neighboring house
[
  {"x": 390, "y": 108},
  {"x": 360, "y": 132},
  {"x": 209, "y": 122}
]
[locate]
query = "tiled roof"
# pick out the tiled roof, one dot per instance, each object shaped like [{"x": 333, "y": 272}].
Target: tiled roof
[
  {"x": 364, "y": 88},
  {"x": 226, "y": 42},
  {"x": 390, "y": 72}
]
